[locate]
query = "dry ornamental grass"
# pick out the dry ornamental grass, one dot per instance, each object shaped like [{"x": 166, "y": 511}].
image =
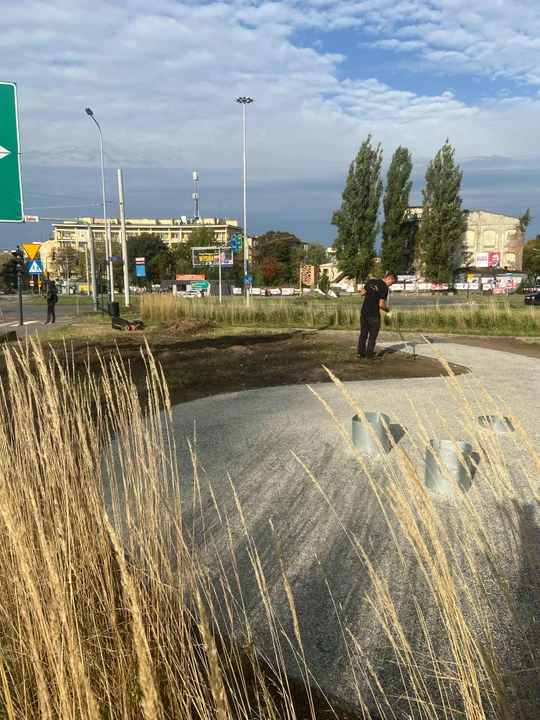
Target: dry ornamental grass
[{"x": 108, "y": 610}]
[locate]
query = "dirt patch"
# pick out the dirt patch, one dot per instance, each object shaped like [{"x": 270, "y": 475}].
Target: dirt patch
[
  {"x": 189, "y": 326},
  {"x": 199, "y": 364},
  {"x": 506, "y": 344}
]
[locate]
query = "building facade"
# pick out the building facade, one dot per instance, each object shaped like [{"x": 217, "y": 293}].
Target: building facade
[
  {"x": 74, "y": 234},
  {"x": 491, "y": 241}
]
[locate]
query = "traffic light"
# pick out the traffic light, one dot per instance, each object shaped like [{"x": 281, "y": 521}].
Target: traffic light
[{"x": 18, "y": 263}]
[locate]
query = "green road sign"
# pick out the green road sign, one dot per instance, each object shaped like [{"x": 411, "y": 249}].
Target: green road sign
[
  {"x": 11, "y": 199},
  {"x": 199, "y": 284}
]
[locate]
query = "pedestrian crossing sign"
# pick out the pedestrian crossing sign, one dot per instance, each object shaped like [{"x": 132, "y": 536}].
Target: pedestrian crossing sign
[{"x": 35, "y": 267}]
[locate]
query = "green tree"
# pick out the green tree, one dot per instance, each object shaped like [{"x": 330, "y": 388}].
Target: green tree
[
  {"x": 65, "y": 262},
  {"x": 443, "y": 226},
  {"x": 525, "y": 220},
  {"x": 282, "y": 248},
  {"x": 356, "y": 220},
  {"x": 182, "y": 258},
  {"x": 396, "y": 201},
  {"x": 157, "y": 254},
  {"x": 324, "y": 282},
  {"x": 310, "y": 254},
  {"x": 531, "y": 258}
]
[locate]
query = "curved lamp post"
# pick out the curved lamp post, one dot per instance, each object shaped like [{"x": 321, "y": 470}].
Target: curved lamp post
[{"x": 108, "y": 249}]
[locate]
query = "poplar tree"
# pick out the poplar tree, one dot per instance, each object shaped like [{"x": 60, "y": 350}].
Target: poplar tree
[
  {"x": 357, "y": 218},
  {"x": 442, "y": 228},
  {"x": 396, "y": 201}
]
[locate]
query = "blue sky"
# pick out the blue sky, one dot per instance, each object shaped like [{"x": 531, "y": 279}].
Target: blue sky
[{"x": 161, "y": 78}]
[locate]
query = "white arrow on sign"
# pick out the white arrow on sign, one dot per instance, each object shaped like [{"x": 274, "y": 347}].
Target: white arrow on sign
[{"x": 3, "y": 152}]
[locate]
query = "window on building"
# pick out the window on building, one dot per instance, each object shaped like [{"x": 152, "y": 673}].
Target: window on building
[
  {"x": 510, "y": 260},
  {"x": 489, "y": 239}
]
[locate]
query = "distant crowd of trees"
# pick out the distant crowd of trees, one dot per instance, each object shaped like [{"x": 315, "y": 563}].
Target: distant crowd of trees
[{"x": 441, "y": 232}]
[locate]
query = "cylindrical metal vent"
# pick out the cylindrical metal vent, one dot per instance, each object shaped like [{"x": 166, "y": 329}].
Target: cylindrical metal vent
[
  {"x": 448, "y": 466},
  {"x": 363, "y": 437},
  {"x": 500, "y": 425}
]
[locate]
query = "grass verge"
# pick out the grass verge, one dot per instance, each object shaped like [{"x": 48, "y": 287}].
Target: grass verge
[{"x": 494, "y": 318}]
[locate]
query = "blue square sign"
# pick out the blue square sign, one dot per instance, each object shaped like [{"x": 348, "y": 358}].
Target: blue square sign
[{"x": 35, "y": 267}]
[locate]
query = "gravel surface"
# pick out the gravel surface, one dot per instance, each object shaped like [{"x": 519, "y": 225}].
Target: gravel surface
[{"x": 250, "y": 437}]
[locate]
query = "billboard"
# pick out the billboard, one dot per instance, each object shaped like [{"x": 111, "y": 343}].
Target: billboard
[
  {"x": 209, "y": 257},
  {"x": 488, "y": 260},
  {"x": 191, "y": 277}
]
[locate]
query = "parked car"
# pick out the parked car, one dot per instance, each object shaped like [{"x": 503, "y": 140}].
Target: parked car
[
  {"x": 193, "y": 294},
  {"x": 532, "y": 298}
]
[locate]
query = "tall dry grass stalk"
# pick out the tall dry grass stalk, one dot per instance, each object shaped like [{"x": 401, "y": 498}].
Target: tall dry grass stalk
[
  {"x": 105, "y": 608},
  {"x": 491, "y": 317},
  {"x": 109, "y": 609}
]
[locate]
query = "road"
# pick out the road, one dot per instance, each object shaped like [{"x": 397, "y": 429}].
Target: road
[
  {"x": 34, "y": 315},
  {"x": 248, "y": 439}
]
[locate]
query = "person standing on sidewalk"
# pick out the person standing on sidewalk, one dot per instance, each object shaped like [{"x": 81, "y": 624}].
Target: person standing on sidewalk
[
  {"x": 52, "y": 299},
  {"x": 375, "y": 293}
]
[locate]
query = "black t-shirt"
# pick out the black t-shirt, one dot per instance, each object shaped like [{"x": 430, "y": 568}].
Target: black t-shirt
[{"x": 375, "y": 290}]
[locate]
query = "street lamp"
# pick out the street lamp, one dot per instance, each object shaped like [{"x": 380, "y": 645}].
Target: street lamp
[
  {"x": 243, "y": 100},
  {"x": 108, "y": 249}
]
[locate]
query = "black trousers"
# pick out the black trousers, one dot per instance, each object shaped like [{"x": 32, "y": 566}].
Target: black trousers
[
  {"x": 51, "y": 315},
  {"x": 369, "y": 327}
]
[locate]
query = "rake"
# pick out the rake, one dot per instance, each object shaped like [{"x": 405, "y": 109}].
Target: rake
[{"x": 409, "y": 348}]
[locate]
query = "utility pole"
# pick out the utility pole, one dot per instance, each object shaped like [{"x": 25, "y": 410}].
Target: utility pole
[
  {"x": 87, "y": 268},
  {"x": 124, "y": 237},
  {"x": 245, "y": 101}
]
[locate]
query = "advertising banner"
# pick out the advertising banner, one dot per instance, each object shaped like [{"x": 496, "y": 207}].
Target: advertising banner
[
  {"x": 488, "y": 259},
  {"x": 406, "y": 278},
  {"x": 255, "y": 291},
  {"x": 210, "y": 257},
  {"x": 287, "y": 291},
  {"x": 191, "y": 277},
  {"x": 397, "y": 287}
]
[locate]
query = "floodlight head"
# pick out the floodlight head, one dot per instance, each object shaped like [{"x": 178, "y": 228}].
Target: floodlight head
[
  {"x": 89, "y": 112},
  {"x": 243, "y": 100}
]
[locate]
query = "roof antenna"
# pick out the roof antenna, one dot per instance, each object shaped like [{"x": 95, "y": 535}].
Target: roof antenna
[{"x": 196, "y": 194}]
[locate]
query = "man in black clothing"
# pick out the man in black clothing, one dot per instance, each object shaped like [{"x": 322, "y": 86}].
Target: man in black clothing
[
  {"x": 374, "y": 293},
  {"x": 52, "y": 299}
]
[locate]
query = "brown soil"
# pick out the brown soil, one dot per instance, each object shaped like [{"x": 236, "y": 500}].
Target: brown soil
[
  {"x": 504, "y": 344},
  {"x": 198, "y": 364}
]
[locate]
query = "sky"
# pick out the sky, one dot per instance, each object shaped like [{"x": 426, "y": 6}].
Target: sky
[{"x": 161, "y": 78}]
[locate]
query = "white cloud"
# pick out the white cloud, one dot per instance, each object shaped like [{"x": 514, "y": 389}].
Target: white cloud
[{"x": 162, "y": 77}]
